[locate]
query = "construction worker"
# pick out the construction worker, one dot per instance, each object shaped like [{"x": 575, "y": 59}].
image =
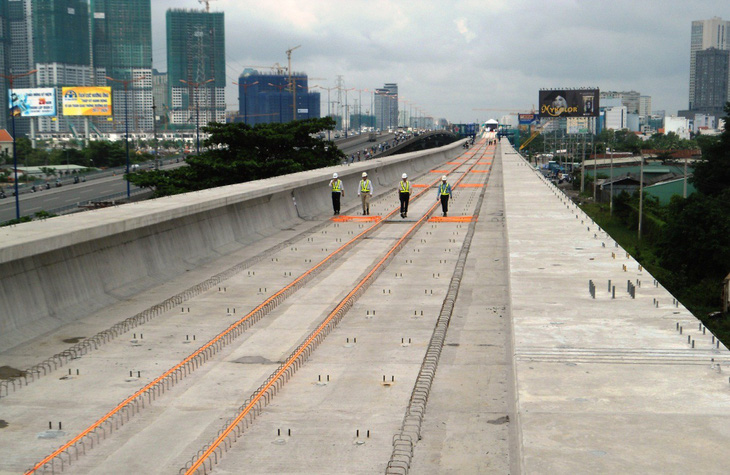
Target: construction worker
[
  {"x": 444, "y": 193},
  {"x": 404, "y": 194},
  {"x": 365, "y": 192},
  {"x": 337, "y": 193}
]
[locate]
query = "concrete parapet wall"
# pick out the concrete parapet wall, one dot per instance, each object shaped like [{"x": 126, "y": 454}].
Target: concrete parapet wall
[{"x": 56, "y": 271}]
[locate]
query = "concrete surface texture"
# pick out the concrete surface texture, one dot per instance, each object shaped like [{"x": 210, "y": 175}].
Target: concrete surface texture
[
  {"x": 605, "y": 385},
  {"x": 171, "y": 429},
  {"x": 534, "y": 376},
  {"x": 56, "y": 271}
]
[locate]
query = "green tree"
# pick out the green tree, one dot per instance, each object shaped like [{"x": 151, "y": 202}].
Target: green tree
[
  {"x": 696, "y": 240},
  {"x": 238, "y": 153},
  {"x": 712, "y": 174},
  {"x": 48, "y": 171},
  {"x": 103, "y": 153}
]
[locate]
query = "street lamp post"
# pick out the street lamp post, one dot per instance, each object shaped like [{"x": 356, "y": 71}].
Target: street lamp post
[
  {"x": 328, "y": 89},
  {"x": 245, "y": 94},
  {"x": 126, "y": 83},
  {"x": 154, "y": 133},
  {"x": 610, "y": 186},
  {"x": 11, "y": 78}
]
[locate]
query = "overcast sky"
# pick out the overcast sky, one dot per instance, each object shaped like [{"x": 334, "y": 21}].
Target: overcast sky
[{"x": 452, "y": 56}]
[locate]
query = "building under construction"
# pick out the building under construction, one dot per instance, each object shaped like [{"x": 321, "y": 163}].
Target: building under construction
[
  {"x": 122, "y": 49},
  {"x": 275, "y": 97},
  {"x": 79, "y": 43},
  {"x": 196, "y": 67}
]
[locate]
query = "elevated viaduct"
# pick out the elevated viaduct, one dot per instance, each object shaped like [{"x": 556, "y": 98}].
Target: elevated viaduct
[{"x": 246, "y": 329}]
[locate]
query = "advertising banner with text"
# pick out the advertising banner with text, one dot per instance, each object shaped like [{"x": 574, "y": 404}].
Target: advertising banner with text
[
  {"x": 528, "y": 119},
  {"x": 36, "y": 102},
  {"x": 87, "y": 101},
  {"x": 569, "y": 103}
]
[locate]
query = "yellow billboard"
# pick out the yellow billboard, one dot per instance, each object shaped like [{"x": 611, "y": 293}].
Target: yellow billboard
[{"x": 87, "y": 101}]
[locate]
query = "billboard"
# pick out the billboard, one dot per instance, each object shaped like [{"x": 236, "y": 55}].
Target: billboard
[
  {"x": 87, "y": 101},
  {"x": 38, "y": 102},
  {"x": 528, "y": 119},
  {"x": 569, "y": 103},
  {"x": 464, "y": 130}
]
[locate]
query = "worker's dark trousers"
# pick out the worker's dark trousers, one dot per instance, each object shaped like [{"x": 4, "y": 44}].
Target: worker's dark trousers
[
  {"x": 404, "y": 197},
  {"x": 444, "y": 203},
  {"x": 336, "y": 201}
]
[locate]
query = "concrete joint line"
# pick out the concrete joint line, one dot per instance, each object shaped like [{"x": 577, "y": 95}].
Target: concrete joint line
[
  {"x": 424, "y": 381},
  {"x": 105, "y": 336},
  {"x": 286, "y": 370}
]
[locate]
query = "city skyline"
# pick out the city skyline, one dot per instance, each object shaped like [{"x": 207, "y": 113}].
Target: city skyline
[{"x": 452, "y": 58}]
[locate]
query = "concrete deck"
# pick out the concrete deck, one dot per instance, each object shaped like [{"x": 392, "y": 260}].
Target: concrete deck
[{"x": 535, "y": 376}]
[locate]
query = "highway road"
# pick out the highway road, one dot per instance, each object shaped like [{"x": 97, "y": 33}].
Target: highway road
[
  {"x": 104, "y": 188},
  {"x": 100, "y": 188}
]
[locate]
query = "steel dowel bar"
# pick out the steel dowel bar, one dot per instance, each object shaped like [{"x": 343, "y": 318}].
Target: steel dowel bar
[
  {"x": 335, "y": 314},
  {"x": 115, "y": 330},
  {"x": 422, "y": 387},
  {"x": 194, "y": 356}
]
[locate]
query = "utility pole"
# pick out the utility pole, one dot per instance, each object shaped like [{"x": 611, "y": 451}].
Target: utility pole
[
  {"x": 126, "y": 83},
  {"x": 11, "y": 78},
  {"x": 641, "y": 195},
  {"x": 340, "y": 85},
  {"x": 196, "y": 94}
]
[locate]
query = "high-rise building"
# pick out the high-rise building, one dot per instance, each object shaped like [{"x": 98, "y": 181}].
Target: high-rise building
[
  {"x": 615, "y": 118},
  {"x": 159, "y": 92},
  {"x": 196, "y": 67},
  {"x": 386, "y": 107},
  {"x": 60, "y": 52},
  {"x": 712, "y": 81},
  {"x": 269, "y": 97},
  {"x": 4, "y": 58},
  {"x": 644, "y": 106},
  {"x": 122, "y": 49},
  {"x": 79, "y": 43},
  {"x": 630, "y": 99},
  {"x": 713, "y": 33}
]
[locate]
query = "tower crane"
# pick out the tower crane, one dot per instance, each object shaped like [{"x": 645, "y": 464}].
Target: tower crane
[
  {"x": 294, "y": 92},
  {"x": 276, "y": 67},
  {"x": 207, "y": 4}
]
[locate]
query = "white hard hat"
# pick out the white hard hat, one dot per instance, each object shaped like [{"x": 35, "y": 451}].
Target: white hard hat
[
  {"x": 364, "y": 174},
  {"x": 334, "y": 175},
  {"x": 443, "y": 178},
  {"x": 404, "y": 176}
]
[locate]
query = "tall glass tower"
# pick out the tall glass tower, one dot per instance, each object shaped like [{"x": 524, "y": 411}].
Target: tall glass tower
[
  {"x": 122, "y": 49},
  {"x": 713, "y": 33},
  {"x": 196, "y": 67},
  {"x": 4, "y": 58},
  {"x": 60, "y": 52}
]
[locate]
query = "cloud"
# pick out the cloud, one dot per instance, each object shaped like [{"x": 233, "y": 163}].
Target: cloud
[
  {"x": 452, "y": 57},
  {"x": 464, "y": 30}
]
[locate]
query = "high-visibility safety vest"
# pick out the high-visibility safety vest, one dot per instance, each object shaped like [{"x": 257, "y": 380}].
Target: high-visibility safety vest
[
  {"x": 444, "y": 189},
  {"x": 365, "y": 186},
  {"x": 405, "y": 186},
  {"x": 337, "y": 186}
]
